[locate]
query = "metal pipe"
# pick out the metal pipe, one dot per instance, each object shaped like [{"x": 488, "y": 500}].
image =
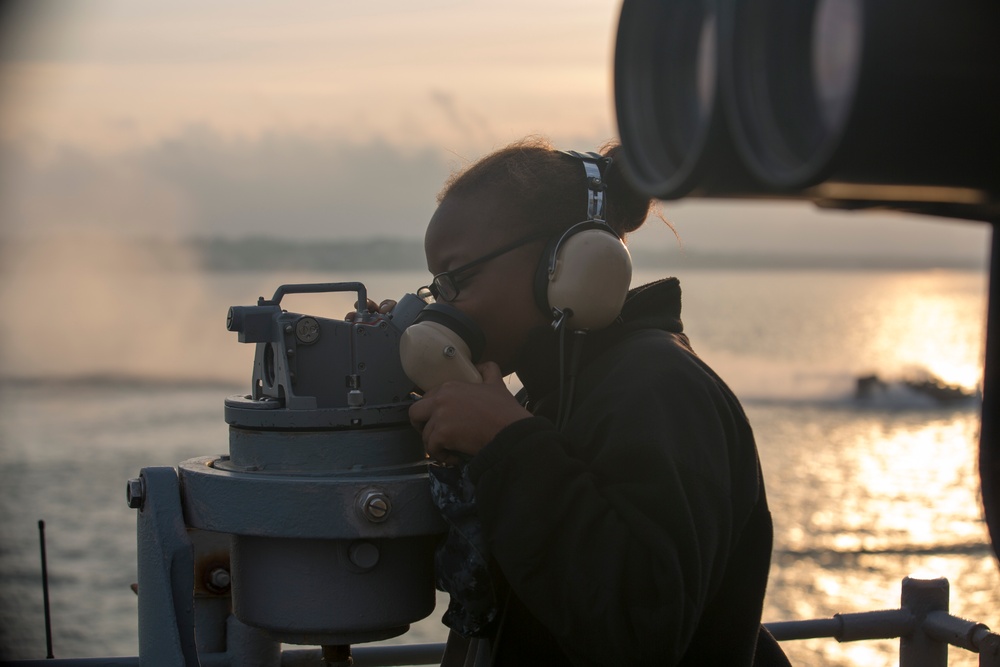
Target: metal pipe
[
  {"x": 876, "y": 625},
  {"x": 45, "y": 592},
  {"x": 364, "y": 656},
  {"x": 131, "y": 661},
  {"x": 812, "y": 629},
  {"x": 956, "y": 631},
  {"x": 989, "y": 433},
  {"x": 922, "y": 597},
  {"x": 847, "y": 627}
]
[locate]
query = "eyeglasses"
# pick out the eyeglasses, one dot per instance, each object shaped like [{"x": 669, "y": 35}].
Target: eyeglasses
[{"x": 446, "y": 286}]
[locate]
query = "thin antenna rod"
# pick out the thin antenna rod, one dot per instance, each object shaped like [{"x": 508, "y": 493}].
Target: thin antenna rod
[{"x": 45, "y": 592}]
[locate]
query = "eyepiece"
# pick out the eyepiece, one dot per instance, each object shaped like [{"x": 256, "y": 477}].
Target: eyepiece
[
  {"x": 234, "y": 318},
  {"x": 254, "y": 324}
]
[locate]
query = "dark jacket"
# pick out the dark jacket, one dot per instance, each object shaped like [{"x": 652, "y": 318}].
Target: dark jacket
[{"x": 640, "y": 533}]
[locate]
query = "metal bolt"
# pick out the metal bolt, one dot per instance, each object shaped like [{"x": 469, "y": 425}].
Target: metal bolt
[
  {"x": 375, "y": 506},
  {"x": 288, "y": 328},
  {"x": 450, "y": 351},
  {"x": 135, "y": 493},
  {"x": 218, "y": 580}
]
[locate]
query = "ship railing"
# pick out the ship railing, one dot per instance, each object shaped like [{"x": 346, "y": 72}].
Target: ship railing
[{"x": 922, "y": 624}]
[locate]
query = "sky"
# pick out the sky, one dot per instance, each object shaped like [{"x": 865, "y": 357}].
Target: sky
[{"x": 320, "y": 119}]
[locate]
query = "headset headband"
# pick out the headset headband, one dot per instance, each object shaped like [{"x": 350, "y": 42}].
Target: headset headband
[{"x": 594, "y": 164}]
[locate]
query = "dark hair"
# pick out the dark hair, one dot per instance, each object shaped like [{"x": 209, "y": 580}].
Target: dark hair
[{"x": 542, "y": 187}]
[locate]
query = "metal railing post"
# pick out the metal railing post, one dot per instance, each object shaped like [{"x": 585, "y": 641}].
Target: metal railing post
[{"x": 921, "y": 597}]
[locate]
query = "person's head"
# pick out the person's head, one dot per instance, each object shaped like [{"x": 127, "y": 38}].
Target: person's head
[{"x": 522, "y": 195}]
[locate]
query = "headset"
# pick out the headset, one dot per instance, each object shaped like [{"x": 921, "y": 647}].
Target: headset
[
  {"x": 584, "y": 273},
  {"x": 582, "y": 280}
]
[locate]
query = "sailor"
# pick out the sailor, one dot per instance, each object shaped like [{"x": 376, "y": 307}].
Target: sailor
[{"x": 617, "y": 503}]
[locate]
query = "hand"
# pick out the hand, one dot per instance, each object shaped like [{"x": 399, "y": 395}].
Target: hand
[
  {"x": 457, "y": 419},
  {"x": 383, "y": 308}
]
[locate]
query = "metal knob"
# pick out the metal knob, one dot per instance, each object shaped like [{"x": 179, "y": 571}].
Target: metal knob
[{"x": 135, "y": 493}]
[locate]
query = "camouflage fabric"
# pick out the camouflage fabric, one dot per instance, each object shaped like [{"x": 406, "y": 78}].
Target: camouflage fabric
[{"x": 462, "y": 561}]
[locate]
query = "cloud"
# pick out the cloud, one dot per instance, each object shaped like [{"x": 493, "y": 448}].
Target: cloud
[
  {"x": 286, "y": 183},
  {"x": 202, "y": 183},
  {"x": 312, "y": 185}
]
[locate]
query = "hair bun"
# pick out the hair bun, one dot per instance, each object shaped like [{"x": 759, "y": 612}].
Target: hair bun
[{"x": 627, "y": 208}]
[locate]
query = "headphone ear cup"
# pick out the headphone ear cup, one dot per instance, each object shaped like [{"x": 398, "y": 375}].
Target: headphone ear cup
[
  {"x": 593, "y": 271},
  {"x": 592, "y": 277}
]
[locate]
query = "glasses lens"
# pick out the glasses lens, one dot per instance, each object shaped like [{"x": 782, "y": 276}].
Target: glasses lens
[{"x": 444, "y": 287}]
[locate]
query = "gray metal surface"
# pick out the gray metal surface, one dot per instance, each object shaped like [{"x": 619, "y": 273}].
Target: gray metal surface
[
  {"x": 305, "y": 506},
  {"x": 166, "y": 574},
  {"x": 346, "y": 452}
]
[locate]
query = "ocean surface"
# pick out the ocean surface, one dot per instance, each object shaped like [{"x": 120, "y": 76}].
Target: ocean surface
[{"x": 107, "y": 375}]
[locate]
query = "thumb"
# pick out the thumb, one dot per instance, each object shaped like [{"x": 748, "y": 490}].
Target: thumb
[{"x": 491, "y": 372}]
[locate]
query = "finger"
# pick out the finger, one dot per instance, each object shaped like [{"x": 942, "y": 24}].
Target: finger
[
  {"x": 370, "y": 306},
  {"x": 435, "y": 449},
  {"x": 447, "y": 459},
  {"x": 444, "y": 455},
  {"x": 419, "y": 413},
  {"x": 384, "y": 307},
  {"x": 490, "y": 371},
  {"x": 435, "y": 443}
]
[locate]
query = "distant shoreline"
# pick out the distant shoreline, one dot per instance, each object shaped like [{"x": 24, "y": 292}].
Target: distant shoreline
[{"x": 258, "y": 253}]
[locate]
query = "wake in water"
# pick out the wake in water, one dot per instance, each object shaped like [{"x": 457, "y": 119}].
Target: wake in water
[
  {"x": 920, "y": 388},
  {"x": 769, "y": 382},
  {"x": 871, "y": 391}
]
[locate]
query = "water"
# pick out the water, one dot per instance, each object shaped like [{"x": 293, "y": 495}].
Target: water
[{"x": 863, "y": 494}]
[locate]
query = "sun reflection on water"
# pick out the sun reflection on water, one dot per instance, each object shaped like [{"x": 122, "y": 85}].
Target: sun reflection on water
[
  {"x": 861, "y": 502},
  {"x": 925, "y": 321},
  {"x": 863, "y": 491},
  {"x": 903, "y": 494}
]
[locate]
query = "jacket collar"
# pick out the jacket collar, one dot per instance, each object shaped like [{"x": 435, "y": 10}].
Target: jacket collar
[{"x": 656, "y": 305}]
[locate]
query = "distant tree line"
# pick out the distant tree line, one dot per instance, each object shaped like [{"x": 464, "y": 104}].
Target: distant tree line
[
  {"x": 383, "y": 254},
  {"x": 263, "y": 253}
]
